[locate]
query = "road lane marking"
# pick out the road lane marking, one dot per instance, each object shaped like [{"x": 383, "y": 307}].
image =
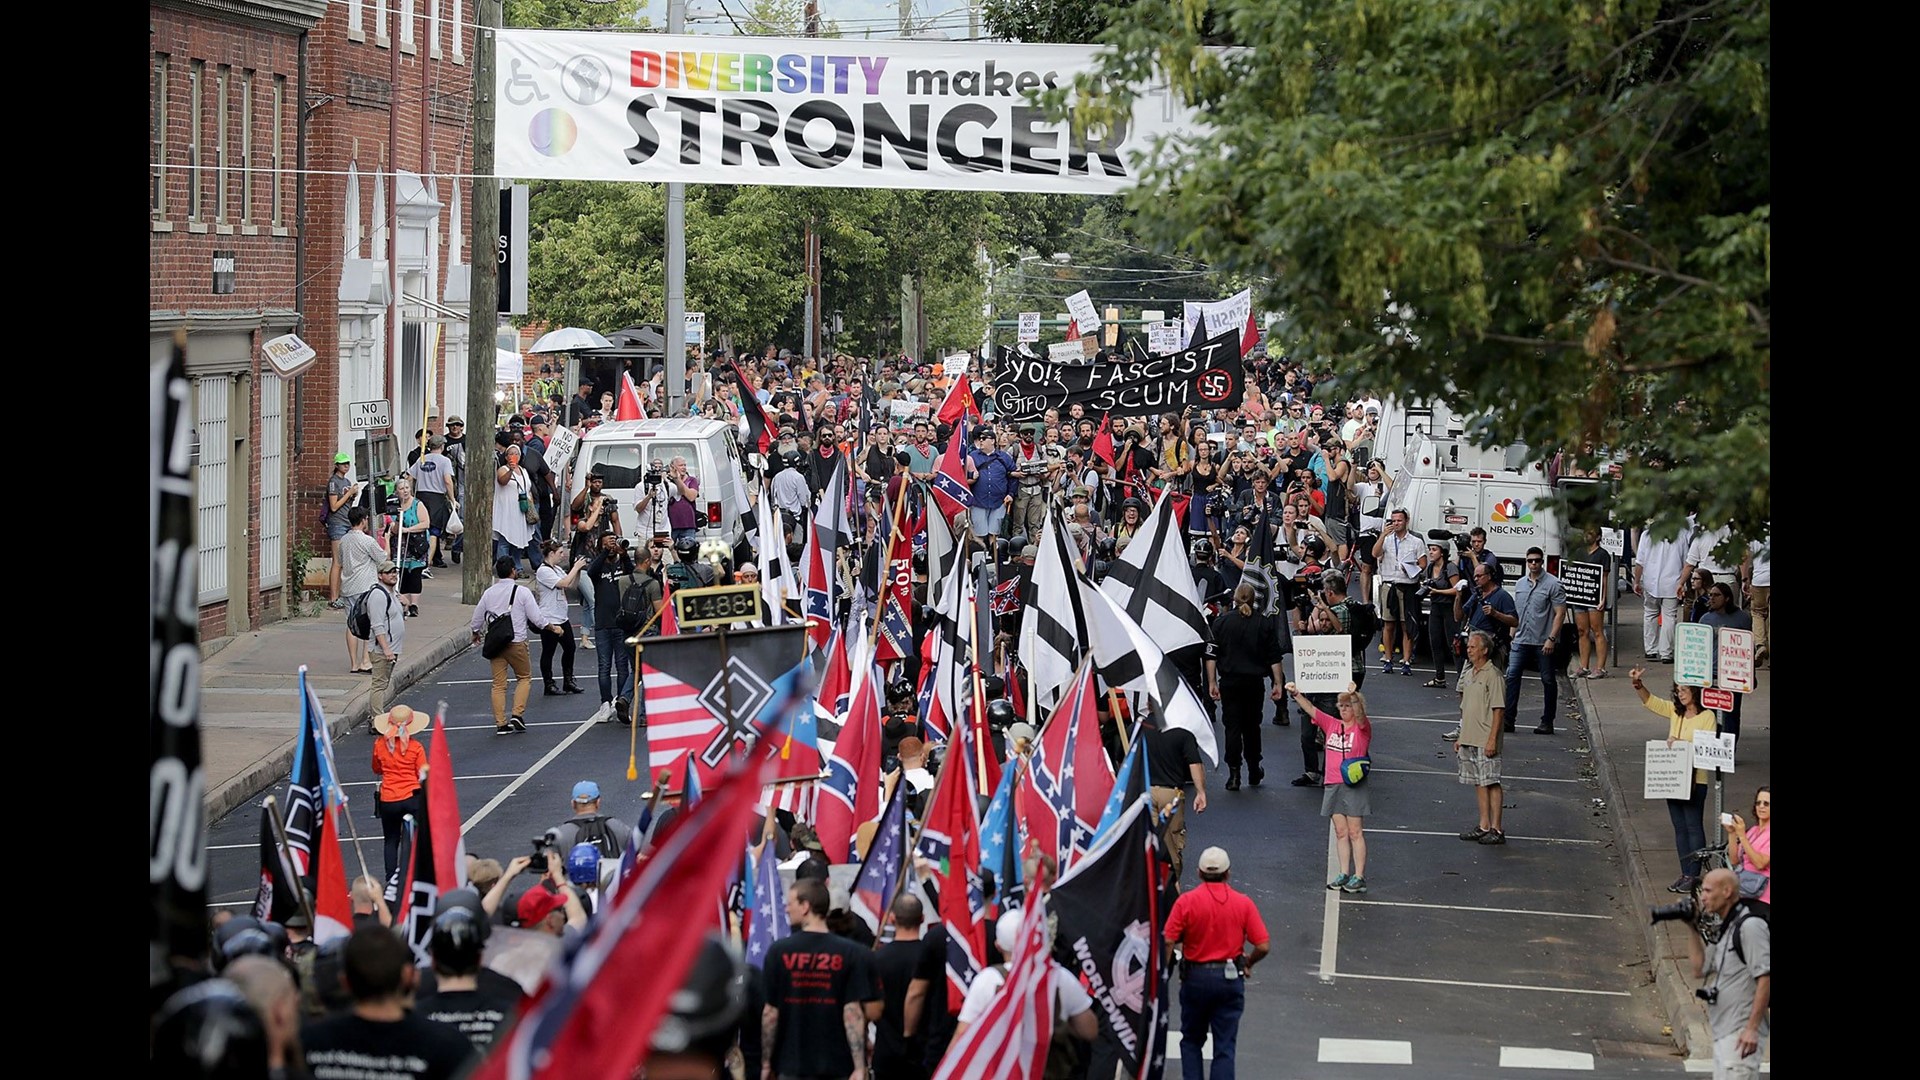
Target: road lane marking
[
  {"x": 1536, "y": 1057},
  {"x": 1504, "y": 779},
  {"x": 1173, "y": 1047},
  {"x": 1510, "y": 836},
  {"x": 1365, "y": 1052},
  {"x": 1492, "y": 910},
  {"x": 1483, "y": 985},
  {"x": 507, "y": 792},
  {"x": 1330, "y": 911},
  {"x": 1705, "y": 1065}
]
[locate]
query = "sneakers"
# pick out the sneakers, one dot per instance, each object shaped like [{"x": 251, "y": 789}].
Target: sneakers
[
  {"x": 1684, "y": 885},
  {"x": 1493, "y": 836},
  {"x": 1340, "y": 882},
  {"x": 604, "y": 713},
  {"x": 1597, "y": 673},
  {"x": 337, "y": 603},
  {"x": 426, "y": 573},
  {"x": 587, "y": 642},
  {"x": 1406, "y": 667},
  {"x": 1386, "y": 666},
  {"x": 1451, "y": 736},
  {"x": 503, "y": 729},
  {"x": 1306, "y": 780},
  {"x": 1354, "y": 884},
  {"x": 1577, "y": 673},
  {"x": 516, "y": 724},
  {"x": 1474, "y": 833}
]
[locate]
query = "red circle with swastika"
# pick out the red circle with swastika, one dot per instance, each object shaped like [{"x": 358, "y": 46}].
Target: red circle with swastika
[{"x": 1215, "y": 384}]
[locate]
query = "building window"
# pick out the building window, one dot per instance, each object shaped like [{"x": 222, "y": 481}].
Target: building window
[
  {"x": 433, "y": 29},
  {"x": 196, "y": 100},
  {"x": 356, "y": 21},
  {"x": 162, "y": 65},
  {"x": 273, "y": 480},
  {"x": 222, "y": 76},
  {"x": 406, "y": 25},
  {"x": 459, "y": 28},
  {"x": 246, "y": 147},
  {"x": 380, "y": 22},
  {"x": 279, "y": 129}
]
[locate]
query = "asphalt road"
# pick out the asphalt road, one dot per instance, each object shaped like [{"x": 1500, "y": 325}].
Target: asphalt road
[{"x": 1460, "y": 959}]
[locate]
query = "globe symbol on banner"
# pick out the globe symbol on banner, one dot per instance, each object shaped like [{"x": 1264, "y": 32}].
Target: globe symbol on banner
[{"x": 1512, "y": 510}]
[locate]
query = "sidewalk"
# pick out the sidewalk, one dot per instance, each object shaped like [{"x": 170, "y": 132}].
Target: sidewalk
[
  {"x": 250, "y": 686},
  {"x": 1618, "y": 727}
]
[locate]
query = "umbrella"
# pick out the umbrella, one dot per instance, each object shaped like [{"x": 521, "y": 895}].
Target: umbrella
[{"x": 569, "y": 338}]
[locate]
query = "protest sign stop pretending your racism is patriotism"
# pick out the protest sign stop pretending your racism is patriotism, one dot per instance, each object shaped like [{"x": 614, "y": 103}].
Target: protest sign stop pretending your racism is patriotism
[
  {"x": 811, "y": 112},
  {"x": 1207, "y": 376}
]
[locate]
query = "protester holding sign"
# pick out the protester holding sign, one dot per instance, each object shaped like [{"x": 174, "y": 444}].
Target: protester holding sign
[
  {"x": 1344, "y": 795},
  {"x": 1684, "y": 717},
  {"x": 1591, "y": 623}
]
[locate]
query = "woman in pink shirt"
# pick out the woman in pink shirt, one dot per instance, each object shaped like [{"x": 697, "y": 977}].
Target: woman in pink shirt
[
  {"x": 1755, "y": 843},
  {"x": 1348, "y": 736}
]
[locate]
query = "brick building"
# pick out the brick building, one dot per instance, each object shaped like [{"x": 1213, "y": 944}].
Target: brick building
[{"x": 320, "y": 149}]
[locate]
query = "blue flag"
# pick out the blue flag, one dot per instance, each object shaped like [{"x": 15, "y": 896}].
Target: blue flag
[
  {"x": 766, "y": 907},
  {"x": 879, "y": 877},
  {"x": 1000, "y": 841},
  {"x": 1128, "y": 786}
]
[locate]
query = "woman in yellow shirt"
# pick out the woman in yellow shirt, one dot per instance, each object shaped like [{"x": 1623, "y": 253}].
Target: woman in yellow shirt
[{"x": 1684, "y": 717}]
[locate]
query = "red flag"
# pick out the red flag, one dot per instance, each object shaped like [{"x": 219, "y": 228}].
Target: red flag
[
  {"x": 849, "y": 796},
  {"x": 1073, "y": 330},
  {"x": 628, "y": 405},
  {"x": 951, "y": 840},
  {"x": 959, "y": 402},
  {"x": 951, "y": 491},
  {"x": 1250, "y": 336},
  {"x": 596, "y": 1008},
  {"x": 1011, "y": 1040},
  {"x": 761, "y": 424},
  {"x": 669, "y": 622},
  {"x": 1103, "y": 440},
  {"x": 895, "y": 641},
  {"x": 332, "y": 906},
  {"x": 443, "y": 811}
]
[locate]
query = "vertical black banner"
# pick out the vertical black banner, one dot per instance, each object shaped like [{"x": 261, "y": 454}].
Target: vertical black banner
[{"x": 177, "y": 841}]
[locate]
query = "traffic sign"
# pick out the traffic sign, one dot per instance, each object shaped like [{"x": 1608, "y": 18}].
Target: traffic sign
[
  {"x": 719, "y": 605},
  {"x": 1693, "y": 654},
  {"x": 369, "y": 415},
  {"x": 1712, "y": 751},
  {"x": 696, "y": 328},
  {"x": 1716, "y": 699},
  {"x": 1736, "y": 660}
]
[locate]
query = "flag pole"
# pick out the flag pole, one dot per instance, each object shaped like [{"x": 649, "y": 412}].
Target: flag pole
[
  {"x": 286, "y": 859},
  {"x": 325, "y": 747},
  {"x": 978, "y": 706},
  {"x": 880, "y": 598}
]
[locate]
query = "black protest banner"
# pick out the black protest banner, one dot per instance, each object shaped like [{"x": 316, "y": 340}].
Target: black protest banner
[
  {"x": 1208, "y": 375},
  {"x": 176, "y": 832}
]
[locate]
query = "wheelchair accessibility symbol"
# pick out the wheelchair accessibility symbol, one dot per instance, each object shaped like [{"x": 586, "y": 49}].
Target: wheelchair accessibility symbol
[{"x": 521, "y": 87}]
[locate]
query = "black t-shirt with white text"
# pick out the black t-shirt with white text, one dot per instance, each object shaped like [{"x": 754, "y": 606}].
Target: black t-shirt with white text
[
  {"x": 346, "y": 1047},
  {"x": 811, "y": 975},
  {"x": 477, "y": 1014}
]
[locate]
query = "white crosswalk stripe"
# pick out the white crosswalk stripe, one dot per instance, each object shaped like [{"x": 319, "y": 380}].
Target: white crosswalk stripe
[
  {"x": 1535, "y": 1057},
  {"x": 1366, "y": 1052}
]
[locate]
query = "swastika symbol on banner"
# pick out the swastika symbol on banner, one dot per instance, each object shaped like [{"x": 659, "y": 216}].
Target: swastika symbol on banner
[
  {"x": 750, "y": 694},
  {"x": 1214, "y": 385}
]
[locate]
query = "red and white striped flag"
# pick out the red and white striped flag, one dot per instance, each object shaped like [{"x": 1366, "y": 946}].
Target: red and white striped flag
[{"x": 1010, "y": 1041}]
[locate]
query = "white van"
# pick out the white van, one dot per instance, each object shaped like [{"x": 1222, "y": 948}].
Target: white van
[
  {"x": 1441, "y": 491},
  {"x": 623, "y": 450}
]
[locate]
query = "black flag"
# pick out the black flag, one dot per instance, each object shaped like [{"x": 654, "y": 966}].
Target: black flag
[
  {"x": 1112, "y": 906},
  {"x": 176, "y": 829}
]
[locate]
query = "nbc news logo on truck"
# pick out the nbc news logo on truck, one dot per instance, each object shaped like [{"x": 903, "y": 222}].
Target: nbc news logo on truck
[{"x": 1512, "y": 517}]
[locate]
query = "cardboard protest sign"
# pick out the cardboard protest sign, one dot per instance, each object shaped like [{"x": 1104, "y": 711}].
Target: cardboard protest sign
[{"x": 1669, "y": 770}]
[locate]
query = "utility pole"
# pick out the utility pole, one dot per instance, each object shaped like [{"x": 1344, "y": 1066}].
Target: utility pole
[
  {"x": 483, "y": 315},
  {"x": 815, "y": 345},
  {"x": 906, "y": 17},
  {"x": 676, "y": 328}
]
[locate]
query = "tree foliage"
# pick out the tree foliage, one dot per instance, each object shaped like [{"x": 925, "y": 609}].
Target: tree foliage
[{"x": 1557, "y": 214}]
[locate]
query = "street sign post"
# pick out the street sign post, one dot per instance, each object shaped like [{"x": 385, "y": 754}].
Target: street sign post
[
  {"x": 369, "y": 415},
  {"x": 1693, "y": 654},
  {"x": 1736, "y": 661},
  {"x": 697, "y": 328},
  {"x": 1716, "y": 699}
]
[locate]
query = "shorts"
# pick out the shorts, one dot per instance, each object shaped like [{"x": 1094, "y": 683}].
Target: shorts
[
  {"x": 337, "y": 533},
  {"x": 1399, "y": 605},
  {"x": 987, "y": 522},
  {"x": 1347, "y": 801},
  {"x": 1338, "y": 530},
  {"x": 439, "y": 508},
  {"x": 1476, "y": 768}
]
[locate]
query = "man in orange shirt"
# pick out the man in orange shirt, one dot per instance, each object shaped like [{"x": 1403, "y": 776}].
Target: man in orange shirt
[{"x": 1213, "y": 924}]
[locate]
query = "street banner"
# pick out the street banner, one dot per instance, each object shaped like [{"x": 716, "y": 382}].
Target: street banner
[
  {"x": 1713, "y": 751},
  {"x": 176, "y": 782},
  {"x": 1029, "y": 326},
  {"x": 1584, "y": 582},
  {"x": 1693, "y": 654},
  {"x": 1669, "y": 770},
  {"x": 924, "y": 115},
  {"x": 1322, "y": 663},
  {"x": 1207, "y": 376},
  {"x": 1735, "y": 670}
]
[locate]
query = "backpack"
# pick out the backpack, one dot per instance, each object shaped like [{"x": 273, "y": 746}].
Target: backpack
[
  {"x": 1744, "y": 909},
  {"x": 594, "y": 830},
  {"x": 681, "y": 576},
  {"x": 359, "y": 623},
  {"x": 1362, "y": 622},
  {"x": 499, "y": 632},
  {"x": 634, "y": 607}
]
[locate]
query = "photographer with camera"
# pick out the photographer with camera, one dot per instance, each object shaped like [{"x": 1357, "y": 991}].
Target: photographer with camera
[
  {"x": 676, "y": 491},
  {"x": 1731, "y": 944},
  {"x": 1399, "y": 555},
  {"x": 1439, "y": 588}
]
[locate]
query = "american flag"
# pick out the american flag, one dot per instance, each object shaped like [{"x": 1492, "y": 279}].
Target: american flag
[
  {"x": 879, "y": 877},
  {"x": 1010, "y": 1041}
]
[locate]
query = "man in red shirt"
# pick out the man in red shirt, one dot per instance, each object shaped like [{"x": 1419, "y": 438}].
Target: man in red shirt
[{"x": 1213, "y": 924}]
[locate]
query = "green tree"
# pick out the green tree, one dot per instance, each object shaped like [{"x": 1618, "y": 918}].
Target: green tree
[{"x": 1554, "y": 213}]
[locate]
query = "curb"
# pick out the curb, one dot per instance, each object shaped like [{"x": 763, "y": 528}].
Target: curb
[
  {"x": 354, "y": 712},
  {"x": 1669, "y": 977}
]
